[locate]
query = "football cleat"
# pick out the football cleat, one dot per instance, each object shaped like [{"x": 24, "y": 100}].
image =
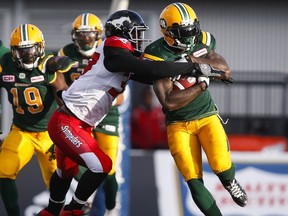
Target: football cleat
[
  {"x": 44, "y": 212},
  {"x": 237, "y": 193},
  {"x": 75, "y": 212}
]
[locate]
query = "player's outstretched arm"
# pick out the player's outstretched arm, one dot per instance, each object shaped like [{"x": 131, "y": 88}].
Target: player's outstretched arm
[{"x": 122, "y": 60}]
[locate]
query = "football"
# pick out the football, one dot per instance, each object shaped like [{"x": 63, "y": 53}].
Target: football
[{"x": 184, "y": 82}]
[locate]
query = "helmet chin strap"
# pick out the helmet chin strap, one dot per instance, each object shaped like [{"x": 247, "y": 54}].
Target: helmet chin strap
[{"x": 182, "y": 46}]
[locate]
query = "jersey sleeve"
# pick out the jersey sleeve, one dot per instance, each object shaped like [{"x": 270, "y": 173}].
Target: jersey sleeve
[
  {"x": 122, "y": 60},
  {"x": 208, "y": 40},
  {"x": 206, "y": 43}
]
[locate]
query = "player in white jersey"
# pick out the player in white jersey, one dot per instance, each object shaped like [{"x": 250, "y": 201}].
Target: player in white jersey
[
  {"x": 88, "y": 100},
  {"x": 91, "y": 97}
]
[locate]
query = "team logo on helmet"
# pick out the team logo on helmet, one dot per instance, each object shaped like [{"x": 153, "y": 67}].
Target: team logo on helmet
[
  {"x": 163, "y": 23},
  {"x": 118, "y": 23}
]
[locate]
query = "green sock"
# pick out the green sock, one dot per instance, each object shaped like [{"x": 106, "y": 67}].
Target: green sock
[
  {"x": 227, "y": 176},
  {"x": 203, "y": 198},
  {"x": 213, "y": 210},
  {"x": 9, "y": 195},
  {"x": 110, "y": 187}
]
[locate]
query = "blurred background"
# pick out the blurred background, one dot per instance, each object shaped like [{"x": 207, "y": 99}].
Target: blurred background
[{"x": 252, "y": 36}]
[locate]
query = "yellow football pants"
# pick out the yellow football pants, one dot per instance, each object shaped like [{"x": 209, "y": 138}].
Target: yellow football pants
[
  {"x": 109, "y": 145},
  {"x": 19, "y": 147},
  {"x": 187, "y": 139}
]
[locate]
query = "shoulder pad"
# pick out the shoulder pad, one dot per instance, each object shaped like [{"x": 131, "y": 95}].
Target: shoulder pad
[
  {"x": 118, "y": 42},
  {"x": 208, "y": 39},
  {"x": 61, "y": 52},
  {"x": 43, "y": 62},
  {"x": 60, "y": 64}
]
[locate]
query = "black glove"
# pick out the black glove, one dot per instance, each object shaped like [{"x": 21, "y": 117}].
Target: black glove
[
  {"x": 206, "y": 70},
  {"x": 61, "y": 64},
  {"x": 228, "y": 81}
]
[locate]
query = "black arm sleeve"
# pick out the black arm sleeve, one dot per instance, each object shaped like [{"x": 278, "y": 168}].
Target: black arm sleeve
[
  {"x": 122, "y": 60},
  {"x": 142, "y": 79}
]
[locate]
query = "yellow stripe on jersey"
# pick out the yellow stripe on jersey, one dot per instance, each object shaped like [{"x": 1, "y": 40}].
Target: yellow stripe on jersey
[
  {"x": 152, "y": 57},
  {"x": 42, "y": 65},
  {"x": 69, "y": 66},
  {"x": 206, "y": 38},
  {"x": 53, "y": 80}
]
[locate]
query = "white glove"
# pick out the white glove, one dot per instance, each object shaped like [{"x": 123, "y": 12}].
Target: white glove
[
  {"x": 206, "y": 70},
  {"x": 204, "y": 79}
]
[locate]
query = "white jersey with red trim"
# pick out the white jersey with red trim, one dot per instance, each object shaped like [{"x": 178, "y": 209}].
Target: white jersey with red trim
[{"x": 90, "y": 97}]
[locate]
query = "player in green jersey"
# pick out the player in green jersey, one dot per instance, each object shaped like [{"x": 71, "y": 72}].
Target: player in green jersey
[
  {"x": 86, "y": 36},
  {"x": 30, "y": 77},
  {"x": 191, "y": 115}
]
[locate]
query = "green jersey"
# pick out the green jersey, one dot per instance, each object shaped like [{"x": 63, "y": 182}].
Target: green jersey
[
  {"x": 109, "y": 125},
  {"x": 203, "y": 105},
  {"x": 29, "y": 93}
]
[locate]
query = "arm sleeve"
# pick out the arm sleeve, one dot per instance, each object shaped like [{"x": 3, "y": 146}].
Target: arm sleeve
[
  {"x": 123, "y": 60},
  {"x": 142, "y": 79}
]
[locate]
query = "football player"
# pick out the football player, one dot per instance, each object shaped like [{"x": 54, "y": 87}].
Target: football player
[
  {"x": 86, "y": 36},
  {"x": 191, "y": 115},
  {"x": 30, "y": 76},
  {"x": 88, "y": 100}
]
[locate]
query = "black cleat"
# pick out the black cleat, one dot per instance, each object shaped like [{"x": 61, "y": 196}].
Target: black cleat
[{"x": 237, "y": 193}]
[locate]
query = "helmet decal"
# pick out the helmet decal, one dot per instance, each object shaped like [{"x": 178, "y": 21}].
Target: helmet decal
[
  {"x": 119, "y": 23},
  {"x": 163, "y": 23}
]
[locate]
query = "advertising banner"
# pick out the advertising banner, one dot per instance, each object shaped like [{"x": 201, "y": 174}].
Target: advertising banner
[{"x": 264, "y": 177}]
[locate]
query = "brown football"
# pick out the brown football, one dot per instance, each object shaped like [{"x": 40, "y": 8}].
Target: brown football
[{"x": 184, "y": 82}]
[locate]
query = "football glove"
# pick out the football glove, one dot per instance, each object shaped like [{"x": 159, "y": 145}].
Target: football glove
[
  {"x": 228, "y": 81},
  {"x": 225, "y": 81},
  {"x": 61, "y": 64},
  {"x": 204, "y": 79},
  {"x": 206, "y": 70}
]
